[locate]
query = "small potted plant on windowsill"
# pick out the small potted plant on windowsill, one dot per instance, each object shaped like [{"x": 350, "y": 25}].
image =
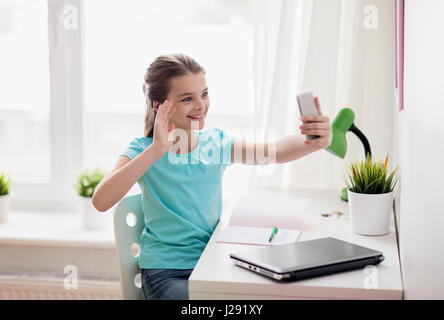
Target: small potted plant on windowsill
[
  {"x": 370, "y": 195},
  {"x": 86, "y": 182},
  {"x": 5, "y": 198}
]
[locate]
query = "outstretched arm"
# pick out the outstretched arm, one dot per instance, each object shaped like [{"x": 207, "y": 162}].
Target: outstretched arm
[{"x": 289, "y": 148}]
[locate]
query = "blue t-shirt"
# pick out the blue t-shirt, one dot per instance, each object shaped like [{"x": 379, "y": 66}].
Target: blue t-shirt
[{"x": 181, "y": 200}]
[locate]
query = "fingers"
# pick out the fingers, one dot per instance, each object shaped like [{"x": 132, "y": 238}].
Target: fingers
[
  {"x": 321, "y": 133},
  {"x": 171, "y": 112},
  {"x": 317, "y": 126},
  {"x": 165, "y": 111},
  {"x": 318, "y": 105},
  {"x": 171, "y": 132},
  {"x": 314, "y": 132},
  {"x": 325, "y": 125},
  {"x": 320, "y": 118},
  {"x": 161, "y": 110}
]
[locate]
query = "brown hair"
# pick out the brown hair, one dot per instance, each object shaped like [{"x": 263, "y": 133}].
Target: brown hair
[{"x": 156, "y": 86}]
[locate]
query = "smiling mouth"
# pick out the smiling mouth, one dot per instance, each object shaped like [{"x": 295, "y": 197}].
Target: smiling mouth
[{"x": 197, "y": 117}]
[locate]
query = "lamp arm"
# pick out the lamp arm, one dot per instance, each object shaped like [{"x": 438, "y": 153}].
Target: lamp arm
[{"x": 363, "y": 139}]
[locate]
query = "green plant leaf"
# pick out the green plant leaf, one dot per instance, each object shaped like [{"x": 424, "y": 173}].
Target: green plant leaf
[
  {"x": 368, "y": 187},
  {"x": 388, "y": 184},
  {"x": 4, "y": 184},
  {"x": 87, "y": 180},
  {"x": 369, "y": 176}
]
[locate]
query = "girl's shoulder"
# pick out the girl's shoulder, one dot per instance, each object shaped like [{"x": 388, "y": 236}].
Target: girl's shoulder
[
  {"x": 136, "y": 146},
  {"x": 144, "y": 139},
  {"x": 141, "y": 142}
]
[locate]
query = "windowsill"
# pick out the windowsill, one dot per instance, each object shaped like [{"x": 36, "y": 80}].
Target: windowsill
[
  {"x": 64, "y": 230},
  {"x": 55, "y": 230}
]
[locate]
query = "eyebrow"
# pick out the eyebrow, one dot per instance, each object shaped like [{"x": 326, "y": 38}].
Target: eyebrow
[{"x": 190, "y": 93}]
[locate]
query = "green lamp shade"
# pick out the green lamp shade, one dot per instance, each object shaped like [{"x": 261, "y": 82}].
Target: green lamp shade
[{"x": 341, "y": 125}]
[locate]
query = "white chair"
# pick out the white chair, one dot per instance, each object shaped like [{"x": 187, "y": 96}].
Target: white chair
[{"x": 128, "y": 225}]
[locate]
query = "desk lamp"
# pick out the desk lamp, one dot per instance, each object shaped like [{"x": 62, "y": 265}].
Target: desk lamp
[{"x": 341, "y": 125}]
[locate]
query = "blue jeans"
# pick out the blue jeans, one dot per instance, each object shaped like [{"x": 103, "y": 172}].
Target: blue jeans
[{"x": 165, "y": 284}]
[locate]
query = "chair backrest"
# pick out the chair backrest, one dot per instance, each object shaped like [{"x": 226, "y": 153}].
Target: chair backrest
[{"x": 128, "y": 225}]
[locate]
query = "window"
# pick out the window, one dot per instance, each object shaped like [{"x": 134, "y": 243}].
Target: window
[
  {"x": 37, "y": 114},
  {"x": 72, "y": 97},
  {"x": 123, "y": 37},
  {"x": 24, "y": 83}
]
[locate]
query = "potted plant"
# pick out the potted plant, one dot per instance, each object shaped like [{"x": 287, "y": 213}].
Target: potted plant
[
  {"x": 86, "y": 182},
  {"x": 370, "y": 195},
  {"x": 5, "y": 200}
]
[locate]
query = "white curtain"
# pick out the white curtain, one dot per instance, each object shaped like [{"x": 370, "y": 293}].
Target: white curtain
[{"x": 323, "y": 46}]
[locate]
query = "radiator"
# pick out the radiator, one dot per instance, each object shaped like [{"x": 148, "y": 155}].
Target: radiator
[{"x": 33, "y": 288}]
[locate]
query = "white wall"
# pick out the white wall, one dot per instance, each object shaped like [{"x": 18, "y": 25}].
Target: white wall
[
  {"x": 420, "y": 134},
  {"x": 349, "y": 65}
]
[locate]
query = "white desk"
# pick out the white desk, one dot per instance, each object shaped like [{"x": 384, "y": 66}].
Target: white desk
[{"x": 217, "y": 277}]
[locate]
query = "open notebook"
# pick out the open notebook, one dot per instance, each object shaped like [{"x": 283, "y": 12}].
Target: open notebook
[{"x": 253, "y": 218}]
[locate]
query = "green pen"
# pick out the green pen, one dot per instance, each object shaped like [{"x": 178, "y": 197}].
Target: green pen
[{"x": 273, "y": 233}]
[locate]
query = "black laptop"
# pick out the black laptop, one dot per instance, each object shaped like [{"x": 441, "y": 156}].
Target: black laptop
[{"x": 306, "y": 259}]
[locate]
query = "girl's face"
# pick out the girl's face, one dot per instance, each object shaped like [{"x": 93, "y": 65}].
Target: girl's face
[{"x": 189, "y": 94}]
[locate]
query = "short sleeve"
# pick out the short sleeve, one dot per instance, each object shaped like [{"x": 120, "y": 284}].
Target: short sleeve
[
  {"x": 226, "y": 146},
  {"x": 134, "y": 149}
]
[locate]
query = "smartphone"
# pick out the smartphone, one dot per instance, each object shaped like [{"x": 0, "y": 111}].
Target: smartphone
[{"x": 307, "y": 107}]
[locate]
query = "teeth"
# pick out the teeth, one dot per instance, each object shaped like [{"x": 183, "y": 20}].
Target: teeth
[{"x": 197, "y": 117}]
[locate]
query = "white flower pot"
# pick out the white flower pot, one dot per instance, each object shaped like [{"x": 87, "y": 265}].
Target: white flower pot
[
  {"x": 5, "y": 207},
  {"x": 370, "y": 213},
  {"x": 91, "y": 218}
]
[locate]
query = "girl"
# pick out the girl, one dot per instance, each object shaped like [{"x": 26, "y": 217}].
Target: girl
[{"x": 181, "y": 191}]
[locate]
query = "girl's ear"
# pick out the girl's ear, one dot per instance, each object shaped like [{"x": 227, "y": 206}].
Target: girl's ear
[{"x": 156, "y": 105}]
